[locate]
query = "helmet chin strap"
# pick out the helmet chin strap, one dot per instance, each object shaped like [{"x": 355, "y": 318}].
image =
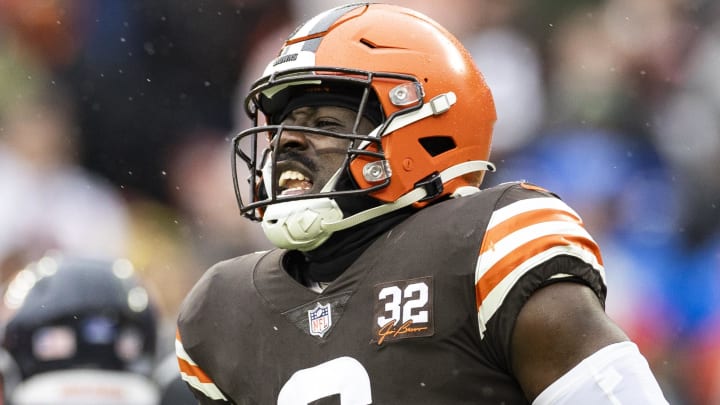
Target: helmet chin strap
[{"x": 306, "y": 224}]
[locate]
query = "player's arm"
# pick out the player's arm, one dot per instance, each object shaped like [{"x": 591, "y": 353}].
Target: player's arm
[
  {"x": 201, "y": 385},
  {"x": 566, "y": 350}
]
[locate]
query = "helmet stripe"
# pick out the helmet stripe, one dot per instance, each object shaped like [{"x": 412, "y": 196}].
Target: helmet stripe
[{"x": 316, "y": 25}]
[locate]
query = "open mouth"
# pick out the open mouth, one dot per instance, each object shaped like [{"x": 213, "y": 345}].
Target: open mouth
[{"x": 292, "y": 182}]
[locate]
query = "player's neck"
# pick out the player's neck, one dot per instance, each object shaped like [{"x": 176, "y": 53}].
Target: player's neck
[{"x": 333, "y": 257}]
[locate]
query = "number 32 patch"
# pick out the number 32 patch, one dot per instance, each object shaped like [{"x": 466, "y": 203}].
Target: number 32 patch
[{"x": 403, "y": 309}]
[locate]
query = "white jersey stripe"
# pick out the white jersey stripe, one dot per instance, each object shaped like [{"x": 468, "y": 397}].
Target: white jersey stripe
[
  {"x": 208, "y": 389},
  {"x": 527, "y": 205},
  {"x": 495, "y": 298}
]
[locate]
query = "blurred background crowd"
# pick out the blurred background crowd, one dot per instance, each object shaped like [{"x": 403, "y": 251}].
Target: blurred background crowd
[{"x": 116, "y": 116}]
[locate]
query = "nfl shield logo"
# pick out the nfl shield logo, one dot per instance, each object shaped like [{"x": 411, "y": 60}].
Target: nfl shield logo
[{"x": 320, "y": 319}]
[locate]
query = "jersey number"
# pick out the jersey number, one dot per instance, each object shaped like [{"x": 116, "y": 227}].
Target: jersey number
[
  {"x": 415, "y": 296},
  {"x": 344, "y": 376}
]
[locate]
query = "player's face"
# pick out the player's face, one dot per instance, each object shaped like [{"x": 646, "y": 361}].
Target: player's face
[{"x": 305, "y": 161}]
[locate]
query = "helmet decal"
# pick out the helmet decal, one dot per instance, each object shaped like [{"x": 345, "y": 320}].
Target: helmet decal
[
  {"x": 302, "y": 44},
  {"x": 315, "y": 27}
]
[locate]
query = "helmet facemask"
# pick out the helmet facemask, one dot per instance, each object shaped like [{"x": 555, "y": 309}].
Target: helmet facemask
[
  {"x": 319, "y": 87},
  {"x": 342, "y": 201}
]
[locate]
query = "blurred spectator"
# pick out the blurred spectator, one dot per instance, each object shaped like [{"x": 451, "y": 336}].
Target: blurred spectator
[
  {"x": 51, "y": 31},
  {"x": 507, "y": 58},
  {"x": 687, "y": 131},
  {"x": 163, "y": 256},
  {"x": 48, "y": 200},
  {"x": 82, "y": 331},
  {"x": 611, "y": 63},
  {"x": 152, "y": 70},
  {"x": 201, "y": 188},
  {"x": 585, "y": 80}
]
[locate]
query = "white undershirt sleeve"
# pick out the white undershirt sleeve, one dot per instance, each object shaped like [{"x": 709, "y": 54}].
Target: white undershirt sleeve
[{"x": 616, "y": 374}]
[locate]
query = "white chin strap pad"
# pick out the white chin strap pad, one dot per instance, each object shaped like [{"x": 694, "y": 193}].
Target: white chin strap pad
[{"x": 301, "y": 224}]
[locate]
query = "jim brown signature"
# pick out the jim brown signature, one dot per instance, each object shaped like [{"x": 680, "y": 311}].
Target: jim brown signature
[{"x": 388, "y": 330}]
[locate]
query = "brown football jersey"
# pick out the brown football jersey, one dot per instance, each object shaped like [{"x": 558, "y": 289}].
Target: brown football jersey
[{"x": 423, "y": 316}]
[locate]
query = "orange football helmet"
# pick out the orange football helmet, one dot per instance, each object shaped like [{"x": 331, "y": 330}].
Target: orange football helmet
[{"x": 436, "y": 116}]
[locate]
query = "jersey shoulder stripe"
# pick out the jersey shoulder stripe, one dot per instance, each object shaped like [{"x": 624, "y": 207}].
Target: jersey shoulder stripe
[
  {"x": 193, "y": 375},
  {"x": 521, "y": 236}
]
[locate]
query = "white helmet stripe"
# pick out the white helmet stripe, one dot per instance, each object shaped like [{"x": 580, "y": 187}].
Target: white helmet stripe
[
  {"x": 324, "y": 20},
  {"x": 302, "y": 54}
]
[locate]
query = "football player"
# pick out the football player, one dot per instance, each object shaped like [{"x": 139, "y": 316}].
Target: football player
[
  {"x": 80, "y": 331},
  {"x": 396, "y": 279}
]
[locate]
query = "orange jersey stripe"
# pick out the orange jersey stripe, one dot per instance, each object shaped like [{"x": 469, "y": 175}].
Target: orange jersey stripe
[
  {"x": 194, "y": 371},
  {"x": 189, "y": 368},
  {"x": 523, "y": 220},
  {"x": 507, "y": 264}
]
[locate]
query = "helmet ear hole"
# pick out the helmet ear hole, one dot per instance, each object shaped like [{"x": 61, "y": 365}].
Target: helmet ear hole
[{"x": 437, "y": 145}]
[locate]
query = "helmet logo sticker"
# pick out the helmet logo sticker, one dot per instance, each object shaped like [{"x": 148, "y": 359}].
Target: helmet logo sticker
[{"x": 285, "y": 58}]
